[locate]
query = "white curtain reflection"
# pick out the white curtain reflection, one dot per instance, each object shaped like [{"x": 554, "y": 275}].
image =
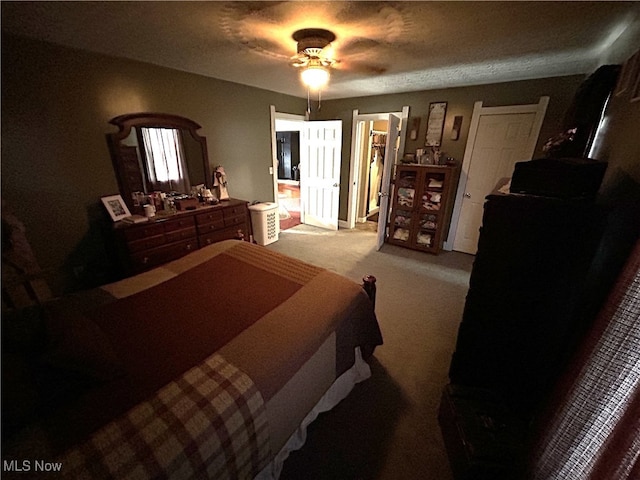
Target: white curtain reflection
[{"x": 165, "y": 159}]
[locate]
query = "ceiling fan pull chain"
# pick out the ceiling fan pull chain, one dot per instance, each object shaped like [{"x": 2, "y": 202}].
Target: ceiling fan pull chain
[{"x": 308, "y": 102}]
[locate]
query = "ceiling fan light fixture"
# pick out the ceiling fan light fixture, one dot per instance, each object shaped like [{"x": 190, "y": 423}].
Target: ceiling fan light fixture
[{"x": 314, "y": 77}]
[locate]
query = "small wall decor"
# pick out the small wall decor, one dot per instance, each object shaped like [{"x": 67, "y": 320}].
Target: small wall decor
[
  {"x": 435, "y": 123},
  {"x": 415, "y": 126},
  {"x": 457, "y": 125},
  {"x": 116, "y": 207}
]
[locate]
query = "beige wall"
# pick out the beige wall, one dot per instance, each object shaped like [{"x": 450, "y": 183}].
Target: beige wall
[
  {"x": 460, "y": 101},
  {"x": 56, "y": 103}
]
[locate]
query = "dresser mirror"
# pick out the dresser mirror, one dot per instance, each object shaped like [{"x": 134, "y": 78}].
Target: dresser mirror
[{"x": 157, "y": 152}]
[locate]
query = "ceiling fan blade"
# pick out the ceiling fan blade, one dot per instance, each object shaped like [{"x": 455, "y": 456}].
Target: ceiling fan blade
[
  {"x": 358, "y": 46},
  {"x": 362, "y": 68}
]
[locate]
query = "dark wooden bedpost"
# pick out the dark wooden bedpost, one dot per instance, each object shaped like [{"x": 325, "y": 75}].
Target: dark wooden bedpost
[{"x": 369, "y": 285}]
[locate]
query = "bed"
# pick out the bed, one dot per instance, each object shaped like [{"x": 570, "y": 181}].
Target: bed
[{"x": 210, "y": 366}]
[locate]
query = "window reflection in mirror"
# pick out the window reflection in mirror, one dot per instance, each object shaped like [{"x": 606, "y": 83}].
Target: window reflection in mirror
[
  {"x": 162, "y": 157},
  {"x": 165, "y": 159},
  {"x": 157, "y": 152}
]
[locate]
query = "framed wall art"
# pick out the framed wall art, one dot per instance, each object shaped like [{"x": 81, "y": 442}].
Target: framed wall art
[
  {"x": 116, "y": 207},
  {"x": 435, "y": 123}
]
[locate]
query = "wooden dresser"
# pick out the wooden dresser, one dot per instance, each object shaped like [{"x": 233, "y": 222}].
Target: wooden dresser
[{"x": 142, "y": 246}]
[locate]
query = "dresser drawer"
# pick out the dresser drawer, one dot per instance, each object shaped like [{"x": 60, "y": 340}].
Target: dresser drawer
[
  {"x": 157, "y": 256},
  {"x": 178, "y": 224},
  {"x": 209, "y": 217},
  {"x": 146, "y": 243},
  {"x": 236, "y": 210},
  {"x": 210, "y": 227},
  {"x": 238, "y": 220},
  {"x": 177, "y": 235},
  {"x": 139, "y": 232},
  {"x": 217, "y": 236}
]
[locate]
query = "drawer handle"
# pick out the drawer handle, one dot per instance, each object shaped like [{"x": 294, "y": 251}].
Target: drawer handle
[{"x": 145, "y": 260}]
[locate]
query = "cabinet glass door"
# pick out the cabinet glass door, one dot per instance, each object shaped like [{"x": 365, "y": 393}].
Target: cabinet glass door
[
  {"x": 406, "y": 188},
  {"x": 428, "y": 224},
  {"x": 433, "y": 188},
  {"x": 402, "y": 223}
]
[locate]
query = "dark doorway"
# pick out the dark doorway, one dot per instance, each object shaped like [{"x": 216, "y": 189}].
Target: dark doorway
[{"x": 288, "y": 155}]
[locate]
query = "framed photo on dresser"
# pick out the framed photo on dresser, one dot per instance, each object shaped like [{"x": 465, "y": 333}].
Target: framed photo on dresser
[{"x": 116, "y": 207}]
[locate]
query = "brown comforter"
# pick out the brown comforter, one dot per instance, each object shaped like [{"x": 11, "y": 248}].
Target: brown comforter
[{"x": 231, "y": 307}]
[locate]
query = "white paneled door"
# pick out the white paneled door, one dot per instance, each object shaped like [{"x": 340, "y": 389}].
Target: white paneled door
[
  {"x": 390, "y": 159},
  {"x": 320, "y": 160},
  {"x": 498, "y": 138}
]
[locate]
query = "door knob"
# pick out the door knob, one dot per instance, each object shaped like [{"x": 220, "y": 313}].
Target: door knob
[
  {"x": 468, "y": 195},
  {"x": 336, "y": 184},
  {"x": 383, "y": 194}
]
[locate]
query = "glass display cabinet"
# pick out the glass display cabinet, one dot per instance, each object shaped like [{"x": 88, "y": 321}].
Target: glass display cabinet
[{"x": 420, "y": 206}]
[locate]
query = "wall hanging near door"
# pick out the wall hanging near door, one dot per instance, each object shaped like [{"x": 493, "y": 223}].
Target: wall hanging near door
[{"x": 435, "y": 123}]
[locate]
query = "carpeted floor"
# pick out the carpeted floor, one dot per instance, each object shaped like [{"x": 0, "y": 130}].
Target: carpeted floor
[
  {"x": 291, "y": 219},
  {"x": 289, "y": 205},
  {"x": 387, "y": 428}
]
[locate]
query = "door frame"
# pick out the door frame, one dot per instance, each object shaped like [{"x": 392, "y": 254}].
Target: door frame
[
  {"x": 354, "y": 162},
  {"x": 539, "y": 109},
  {"x": 295, "y": 122}
]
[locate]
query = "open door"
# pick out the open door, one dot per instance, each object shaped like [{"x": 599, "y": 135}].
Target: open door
[
  {"x": 320, "y": 160},
  {"x": 390, "y": 158}
]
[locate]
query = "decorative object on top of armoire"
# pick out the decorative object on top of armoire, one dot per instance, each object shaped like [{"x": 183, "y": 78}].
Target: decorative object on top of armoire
[
  {"x": 520, "y": 320},
  {"x": 421, "y": 206},
  {"x": 583, "y": 116}
]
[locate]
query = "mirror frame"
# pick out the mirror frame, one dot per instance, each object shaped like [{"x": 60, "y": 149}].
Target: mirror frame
[{"x": 129, "y": 173}]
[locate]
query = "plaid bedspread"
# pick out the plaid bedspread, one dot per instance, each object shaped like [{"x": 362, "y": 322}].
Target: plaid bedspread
[{"x": 209, "y": 423}]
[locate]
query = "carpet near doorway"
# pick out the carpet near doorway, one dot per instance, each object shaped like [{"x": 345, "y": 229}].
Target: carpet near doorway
[
  {"x": 289, "y": 205},
  {"x": 291, "y": 220},
  {"x": 387, "y": 428}
]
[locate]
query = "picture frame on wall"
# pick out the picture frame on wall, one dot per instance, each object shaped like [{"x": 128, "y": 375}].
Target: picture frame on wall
[
  {"x": 435, "y": 123},
  {"x": 116, "y": 207}
]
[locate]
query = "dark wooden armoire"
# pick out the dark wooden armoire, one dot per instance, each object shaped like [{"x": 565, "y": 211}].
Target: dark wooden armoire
[{"x": 522, "y": 319}]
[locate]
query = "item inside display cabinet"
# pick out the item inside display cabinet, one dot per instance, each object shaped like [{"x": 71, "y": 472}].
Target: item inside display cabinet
[
  {"x": 405, "y": 196},
  {"x": 403, "y": 219},
  {"x": 401, "y": 234},
  {"x": 424, "y": 238},
  {"x": 429, "y": 222},
  {"x": 431, "y": 200},
  {"x": 435, "y": 182}
]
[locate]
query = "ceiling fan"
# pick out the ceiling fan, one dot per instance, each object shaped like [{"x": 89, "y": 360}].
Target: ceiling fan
[{"x": 314, "y": 56}]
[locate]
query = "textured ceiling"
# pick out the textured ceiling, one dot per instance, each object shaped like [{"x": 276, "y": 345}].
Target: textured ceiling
[{"x": 383, "y": 47}]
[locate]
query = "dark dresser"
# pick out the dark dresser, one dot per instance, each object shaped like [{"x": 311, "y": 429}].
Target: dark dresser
[{"x": 142, "y": 246}]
